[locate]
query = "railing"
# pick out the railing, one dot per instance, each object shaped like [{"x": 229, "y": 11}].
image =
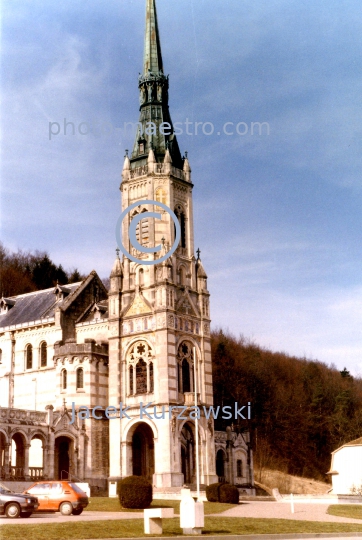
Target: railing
[
  {"x": 70, "y": 476},
  {"x": 17, "y": 473},
  {"x": 36, "y": 473},
  {"x": 67, "y": 473},
  {"x": 221, "y": 479},
  {"x": 190, "y": 399},
  {"x": 158, "y": 168},
  {"x": 16, "y": 416},
  {"x": 139, "y": 171}
]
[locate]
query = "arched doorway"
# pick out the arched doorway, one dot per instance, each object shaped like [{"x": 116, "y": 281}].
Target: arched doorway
[
  {"x": 187, "y": 454},
  {"x": 36, "y": 458},
  {"x": 63, "y": 451},
  {"x": 220, "y": 468},
  {"x": 143, "y": 461},
  {"x": 17, "y": 458}
]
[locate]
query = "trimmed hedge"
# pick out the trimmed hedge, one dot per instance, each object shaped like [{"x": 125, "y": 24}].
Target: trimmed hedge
[
  {"x": 135, "y": 492},
  {"x": 213, "y": 492},
  {"x": 229, "y": 494},
  {"x": 221, "y": 492}
]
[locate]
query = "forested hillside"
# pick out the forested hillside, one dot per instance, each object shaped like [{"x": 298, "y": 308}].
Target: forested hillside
[
  {"x": 301, "y": 409},
  {"x": 24, "y": 272}
]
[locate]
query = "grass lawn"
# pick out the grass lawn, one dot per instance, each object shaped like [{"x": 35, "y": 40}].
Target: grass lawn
[
  {"x": 346, "y": 510},
  {"x": 127, "y": 528},
  {"x": 104, "y": 504}
]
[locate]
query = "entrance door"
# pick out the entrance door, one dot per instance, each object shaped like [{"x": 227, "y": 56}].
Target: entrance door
[
  {"x": 187, "y": 454},
  {"x": 62, "y": 457},
  {"x": 220, "y": 469},
  {"x": 143, "y": 452}
]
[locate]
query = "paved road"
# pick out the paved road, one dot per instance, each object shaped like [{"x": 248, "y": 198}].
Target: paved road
[{"x": 303, "y": 511}]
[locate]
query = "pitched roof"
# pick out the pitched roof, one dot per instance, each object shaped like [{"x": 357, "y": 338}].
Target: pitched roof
[
  {"x": 34, "y": 306},
  {"x": 355, "y": 442}
]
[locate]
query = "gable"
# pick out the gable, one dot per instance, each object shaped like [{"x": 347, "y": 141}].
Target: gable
[
  {"x": 185, "y": 305},
  {"x": 139, "y": 306}
]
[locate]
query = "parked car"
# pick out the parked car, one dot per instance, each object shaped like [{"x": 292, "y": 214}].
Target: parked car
[
  {"x": 15, "y": 505},
  {"x": 59, "y": 496}
]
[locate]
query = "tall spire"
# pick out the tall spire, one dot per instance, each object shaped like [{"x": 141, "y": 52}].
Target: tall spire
[
  {"x": 154, "y": 111},
  {"x": 152, "y": 60}
]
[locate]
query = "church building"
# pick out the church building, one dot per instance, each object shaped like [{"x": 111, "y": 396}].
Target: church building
[{"x": 142, "y": 343}]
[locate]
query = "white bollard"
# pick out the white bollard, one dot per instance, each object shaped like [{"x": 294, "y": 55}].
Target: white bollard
[{"x": 191, "y": 514}]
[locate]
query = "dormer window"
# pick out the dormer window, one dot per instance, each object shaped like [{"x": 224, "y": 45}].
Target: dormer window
[
  {"x": 5, "y": 305},
  {"x": 61, "y": 292},
  {"x": 141, "y": 146},
  {"x": 58, "y": 293}
]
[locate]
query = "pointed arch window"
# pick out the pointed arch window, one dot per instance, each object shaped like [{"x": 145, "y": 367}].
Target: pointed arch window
[
  {"x": 141, "y": 277},
  {"x": 239, "y": 468},
  {"x": 140, "y": 369},
  {"x": 63, "y": 379},
  {"x": 80, "y": 378},
  {"x": 142, "y": 230},
  {"x": 185, "y": 367},
  {"x": 151, "y": 376},
  {"x": 141, "y": 377},
  {"x": 43, "y": 354},
  {"x": 29, "y": 356},
  {"x": 180, "y": 214},
  {"x": 131, "y": 387}
]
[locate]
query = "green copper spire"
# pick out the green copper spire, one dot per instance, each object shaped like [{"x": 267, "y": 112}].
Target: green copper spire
[
  {"x": 152, "y": 55},
  {"x": 155, "y": 131}
]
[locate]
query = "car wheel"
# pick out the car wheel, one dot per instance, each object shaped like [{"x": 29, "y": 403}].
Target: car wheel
[
  {"x": 66, "y": 508},
  {"x": 25, "y": 514},
  {"x": 77, "y": 512},
  {"x": 12, "y": 510}
]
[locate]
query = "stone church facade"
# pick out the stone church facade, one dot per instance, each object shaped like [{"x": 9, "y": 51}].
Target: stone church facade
[{"x": 138, "y": 343}]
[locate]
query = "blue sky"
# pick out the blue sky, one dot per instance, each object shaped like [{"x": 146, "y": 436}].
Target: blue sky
[{"x": 277, "y": 217}]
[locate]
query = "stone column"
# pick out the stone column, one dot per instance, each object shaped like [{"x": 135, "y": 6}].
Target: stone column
[
  {"x": 7, "y": 463},
  {"x": 50, "y": 455},
  {"x": 81, "y": 455},
  {"x": 45, "y": 461},
  {"x": 26, "y": 462}
]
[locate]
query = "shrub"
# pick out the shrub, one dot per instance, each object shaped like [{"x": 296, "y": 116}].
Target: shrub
[
  {"x": 228, "y": 494},
  {"x": 213, "y": 492},
  {"x": 135, "y": 492}
]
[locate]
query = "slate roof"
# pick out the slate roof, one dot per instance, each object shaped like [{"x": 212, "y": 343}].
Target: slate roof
[{"x": 34, "y": 306}]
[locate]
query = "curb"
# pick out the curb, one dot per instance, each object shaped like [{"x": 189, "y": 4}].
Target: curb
[{"x": 291, "y": 536}]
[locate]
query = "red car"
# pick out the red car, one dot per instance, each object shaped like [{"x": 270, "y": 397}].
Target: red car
[{"x": 59, "y": 496}]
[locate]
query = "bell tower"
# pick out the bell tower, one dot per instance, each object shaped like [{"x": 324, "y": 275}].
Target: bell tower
[{"x": 159, "y": 312}]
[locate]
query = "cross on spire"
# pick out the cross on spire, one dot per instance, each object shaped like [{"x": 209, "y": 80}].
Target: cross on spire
[{"x": 198, "y": 253}]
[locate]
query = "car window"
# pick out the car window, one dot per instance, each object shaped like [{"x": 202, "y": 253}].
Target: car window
[
  {"x": 39, "y": 489},
  {"x": 76, "y": 488},
  {"x": 56, "y": 489}
]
